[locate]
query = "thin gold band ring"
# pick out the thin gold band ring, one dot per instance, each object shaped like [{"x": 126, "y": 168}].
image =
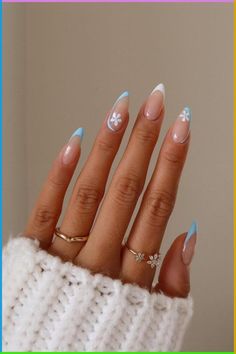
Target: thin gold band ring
[{"x": 68, "y": 238}]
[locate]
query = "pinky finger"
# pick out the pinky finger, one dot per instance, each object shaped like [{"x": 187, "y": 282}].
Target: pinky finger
[
  {"x": 44, "y": 217},
  {"x": 174, "y": 277}
]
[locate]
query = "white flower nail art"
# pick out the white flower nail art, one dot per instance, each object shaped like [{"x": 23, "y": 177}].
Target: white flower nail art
[
  {"x": 116, "y": 119},
  {"x": 154, "y": 260},
  {"x": 119, "y": 113},
  {"x": 185, "y": 115}
]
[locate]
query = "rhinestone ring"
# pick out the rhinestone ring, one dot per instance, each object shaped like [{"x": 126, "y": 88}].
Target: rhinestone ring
[{"x": 153, "y": 260}]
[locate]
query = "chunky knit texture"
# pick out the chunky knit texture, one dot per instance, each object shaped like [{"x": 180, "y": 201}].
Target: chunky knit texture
[{"x": 49, "y": 305}]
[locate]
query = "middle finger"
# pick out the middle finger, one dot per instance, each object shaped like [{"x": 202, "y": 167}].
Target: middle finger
[{"x": 126, "y": 186}]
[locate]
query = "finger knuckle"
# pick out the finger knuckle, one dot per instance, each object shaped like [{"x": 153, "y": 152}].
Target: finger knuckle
[
  {"x": 127, "y": 189},
  {"x": 45, "y": 217},
  {"x": 104, "y": 146},
  {"x": 56, "y": 182},
  {"x": 145, "y": 136},
  {"x": 159, "y": 206},
  {"x": 88, "y": 198},
  {"x": 173, "y": 157}
]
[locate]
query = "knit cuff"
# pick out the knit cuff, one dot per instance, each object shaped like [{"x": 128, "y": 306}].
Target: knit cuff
[{"x": 49, "y": 305}]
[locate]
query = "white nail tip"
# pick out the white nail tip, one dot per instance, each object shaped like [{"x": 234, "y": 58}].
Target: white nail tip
[{"x": 161, "y": 88}]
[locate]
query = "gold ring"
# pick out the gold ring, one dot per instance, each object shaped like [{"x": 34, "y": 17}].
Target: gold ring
[
  {"x": 153, "y": 260},
  {"x": 70, "y": 239}
]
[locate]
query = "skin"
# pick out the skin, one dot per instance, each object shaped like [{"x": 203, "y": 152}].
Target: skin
[{"x": 103, "y": 252}]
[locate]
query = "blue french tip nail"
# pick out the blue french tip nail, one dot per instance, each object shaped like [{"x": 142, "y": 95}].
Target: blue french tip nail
[
  {"x": 79, "y": 132},
  {"x": 192, "y": 231},
  {"x": 124, "y": 94},
  {"x": 188, "y": 112}
]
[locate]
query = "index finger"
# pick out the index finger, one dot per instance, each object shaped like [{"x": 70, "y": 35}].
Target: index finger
[{"x": 44, "y": 217}]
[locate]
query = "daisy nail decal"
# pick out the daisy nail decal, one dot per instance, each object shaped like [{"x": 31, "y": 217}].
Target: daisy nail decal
[
  {"x": 181, "y": 128},
  {"x": 185, "y": 115},
  {"x": 115, "y": 119},
  {"x": 119, "y": 113}
]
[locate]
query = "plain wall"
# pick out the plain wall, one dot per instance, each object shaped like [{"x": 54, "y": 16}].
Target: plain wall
[
  {"x": 15, "y": 191},
  {"x": 75, "y": 60}
]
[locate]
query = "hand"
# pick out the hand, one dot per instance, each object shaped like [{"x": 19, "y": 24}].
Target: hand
[{"x": 103, "y": 252}]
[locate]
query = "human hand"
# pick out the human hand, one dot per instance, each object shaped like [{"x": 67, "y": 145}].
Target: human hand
[{"x": 103, "y": 252}]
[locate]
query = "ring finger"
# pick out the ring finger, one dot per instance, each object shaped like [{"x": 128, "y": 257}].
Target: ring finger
[{"x": 140, "y": 255}]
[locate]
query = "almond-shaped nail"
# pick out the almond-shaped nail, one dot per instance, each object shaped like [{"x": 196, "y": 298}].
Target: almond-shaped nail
[
  {"x": 181, "y": 127},
  {"x": 119, "y": 113},
  {"x": 189, "y": 244},
  {"x": 155, "y": 102},
  {"x": 71, "y": 150}
]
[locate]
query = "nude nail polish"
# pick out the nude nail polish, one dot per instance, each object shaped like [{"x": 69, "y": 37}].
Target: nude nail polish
[
  {"x": 71, "y": 150},
  {"x": 119, "y": 113},
  {"x": 181, "y": 128},
  {"x": 189, "y": 244},
  {"x": 155, "y": 103}
]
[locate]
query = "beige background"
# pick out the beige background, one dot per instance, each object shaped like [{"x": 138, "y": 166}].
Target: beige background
[{"x": 65, "y": 64}]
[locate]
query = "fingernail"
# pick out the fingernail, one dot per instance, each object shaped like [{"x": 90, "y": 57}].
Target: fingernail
[
  {"x": 181, "y": 127},
  {"x": 71, "y": 150},
  {"x": 155, "y": 102},
  {"x": 189, "y": 244},
  {"x": 119, "y": 112},
  {"x": 78, "y": 132}
]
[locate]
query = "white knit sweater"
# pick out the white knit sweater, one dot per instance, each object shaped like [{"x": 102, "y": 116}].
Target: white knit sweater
[{"x": 49, "y": 305}]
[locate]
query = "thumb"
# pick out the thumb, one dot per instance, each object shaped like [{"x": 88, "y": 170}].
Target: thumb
[{"x": 174, "y": 277}]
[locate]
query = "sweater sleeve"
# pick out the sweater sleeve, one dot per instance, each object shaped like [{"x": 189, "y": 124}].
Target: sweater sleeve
[{"x": 49, "y": 305}]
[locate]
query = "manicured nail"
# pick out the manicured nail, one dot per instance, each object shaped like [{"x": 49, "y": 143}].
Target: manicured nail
[
  {"x": 119, "y": 112},
  {"x": 79, "y": 132},
  {"x": 189, "y": 244},
  {"x": 71, "y": 150},
  {"x": 155, "y": 103},
  {"x": 181, "y": 127}
]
